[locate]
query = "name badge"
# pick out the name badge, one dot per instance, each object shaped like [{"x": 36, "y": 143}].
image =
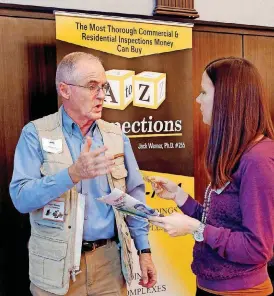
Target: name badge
[
  {"x": 52, "y": 146},
  {"x": 54, "y": 211}
]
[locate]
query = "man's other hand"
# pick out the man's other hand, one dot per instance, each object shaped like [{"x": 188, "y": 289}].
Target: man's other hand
[{"x": 148, "y": 271}]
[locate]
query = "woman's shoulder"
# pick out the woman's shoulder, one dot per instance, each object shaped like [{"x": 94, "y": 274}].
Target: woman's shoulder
[{"x": 260, "y": 154}]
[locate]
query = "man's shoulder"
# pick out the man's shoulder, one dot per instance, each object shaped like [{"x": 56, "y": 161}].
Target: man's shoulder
[
  {"x": 29, "y": 133},
  {"x": 109, "y": 127},
  {"x": 47, "y": 122},
  {"x": 29, "y": 128}
]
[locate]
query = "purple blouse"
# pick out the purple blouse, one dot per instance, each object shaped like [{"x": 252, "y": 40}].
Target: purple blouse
[{"x": 238, "y": 237}]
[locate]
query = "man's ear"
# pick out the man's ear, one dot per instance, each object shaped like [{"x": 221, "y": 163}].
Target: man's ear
[{"x": 64, "y": 90}]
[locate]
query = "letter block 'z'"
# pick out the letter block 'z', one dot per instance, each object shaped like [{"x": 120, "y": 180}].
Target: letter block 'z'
[
  {"x": 149, "y": 89},
  {"x": 120, "y": 93}
]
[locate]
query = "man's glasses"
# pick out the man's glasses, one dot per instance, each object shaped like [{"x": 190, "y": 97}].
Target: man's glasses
[{"x": 93, "y": 88}]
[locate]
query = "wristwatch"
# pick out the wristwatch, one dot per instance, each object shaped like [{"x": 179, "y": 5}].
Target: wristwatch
[
  {"x": 198, "y": 234},
  {"x": 144, "y": 251}
]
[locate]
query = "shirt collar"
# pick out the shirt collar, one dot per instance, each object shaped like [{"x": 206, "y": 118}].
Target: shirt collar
[
  {"x": 220, "y": 190},
  {"x": 69, "y": 124}
]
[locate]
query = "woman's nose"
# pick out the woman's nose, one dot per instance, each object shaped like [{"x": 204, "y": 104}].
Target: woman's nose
[{"x": 198, "y": 99}]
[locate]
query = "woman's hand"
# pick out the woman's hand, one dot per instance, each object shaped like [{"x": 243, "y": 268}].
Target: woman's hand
[
  {"x": 167, "y": 189},
  {"x": 176, "y": 224}
]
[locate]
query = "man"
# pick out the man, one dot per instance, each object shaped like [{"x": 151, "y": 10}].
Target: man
[{"x": 68, "y": 157}]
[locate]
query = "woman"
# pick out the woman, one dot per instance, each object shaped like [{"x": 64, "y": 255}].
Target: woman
[{"x": 234, "y": 229}]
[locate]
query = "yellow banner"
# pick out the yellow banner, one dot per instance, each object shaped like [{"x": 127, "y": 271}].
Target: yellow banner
[
  {"x": 122, "y": 38},
  {"x": 147, "y": 100},
  {"x": 172, "y": 256}
]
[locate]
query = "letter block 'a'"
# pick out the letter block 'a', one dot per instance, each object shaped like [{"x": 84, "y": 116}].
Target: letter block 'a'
[
  {"x": 149, "y": 89},
  {"x": 120, "y": 93}
]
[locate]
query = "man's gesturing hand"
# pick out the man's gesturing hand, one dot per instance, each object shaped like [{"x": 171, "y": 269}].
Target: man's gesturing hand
[{"x": 90, "y": 164}]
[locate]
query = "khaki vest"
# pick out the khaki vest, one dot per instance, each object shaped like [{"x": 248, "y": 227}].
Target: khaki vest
[{"x": 51, "y": 245}]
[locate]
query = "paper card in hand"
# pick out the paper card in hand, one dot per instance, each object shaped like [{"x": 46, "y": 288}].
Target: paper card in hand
[{"x": 128, "y": 204}]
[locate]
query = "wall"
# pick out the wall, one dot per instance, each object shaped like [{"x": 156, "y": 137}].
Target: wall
[
  {"x": 28, "y": 92},
  {"x": 143, "y": 7},
  {"x": 250, "y": 12}
]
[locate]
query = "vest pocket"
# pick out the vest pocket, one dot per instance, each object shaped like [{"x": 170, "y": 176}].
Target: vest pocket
[
  {"x": 46, "y": 228},
  {"x": 50, "y": 224},
  {"x": 125, "y": 246},
  {"x": 47, "y": 261},
  {"x": 119, "y": 173}
]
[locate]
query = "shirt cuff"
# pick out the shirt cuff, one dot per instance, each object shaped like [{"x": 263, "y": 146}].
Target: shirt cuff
[
  {"x": 141, "y": 242},
  {"x": 189, "y": 206},
  {"x": 64, "y": 182}
]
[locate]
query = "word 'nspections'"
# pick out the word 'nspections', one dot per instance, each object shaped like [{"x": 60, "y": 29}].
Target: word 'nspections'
[{"x": 150, "y": 126}]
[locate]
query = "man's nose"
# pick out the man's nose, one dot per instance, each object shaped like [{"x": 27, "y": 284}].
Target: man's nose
[{"x": 101, "y": 94}]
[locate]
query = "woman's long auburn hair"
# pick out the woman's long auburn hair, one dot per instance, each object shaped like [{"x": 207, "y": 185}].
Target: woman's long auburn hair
[{"x": 240, "y": 114}]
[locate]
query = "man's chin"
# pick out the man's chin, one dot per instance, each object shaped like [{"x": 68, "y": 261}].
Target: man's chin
[{"x": 97, "y": 115}]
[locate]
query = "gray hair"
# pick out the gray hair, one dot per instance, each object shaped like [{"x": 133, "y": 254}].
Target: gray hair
[{"x": 65, "y": 69}]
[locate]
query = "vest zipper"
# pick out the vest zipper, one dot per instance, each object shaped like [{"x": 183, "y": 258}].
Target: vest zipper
[{"x": 73, "y": 271}]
